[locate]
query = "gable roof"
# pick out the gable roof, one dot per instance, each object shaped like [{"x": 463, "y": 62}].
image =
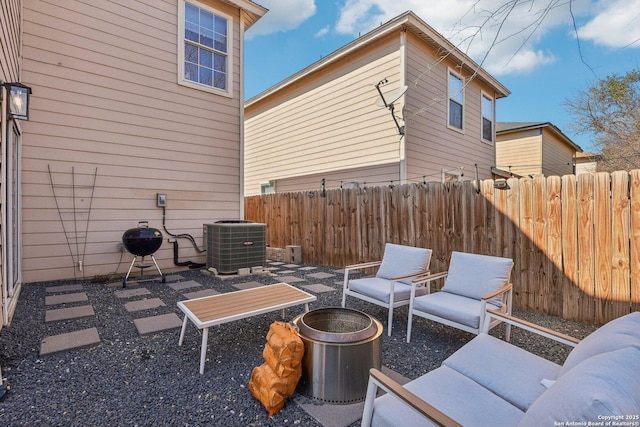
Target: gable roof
[
  {"x": 503, "y": 128},
  {"x": 411, "y": 22}
]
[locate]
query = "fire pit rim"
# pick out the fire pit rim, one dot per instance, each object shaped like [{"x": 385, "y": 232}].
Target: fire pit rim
[{"x": 307, "y": 331}]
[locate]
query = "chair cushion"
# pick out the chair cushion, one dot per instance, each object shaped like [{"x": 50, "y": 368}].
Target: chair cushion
[
  {"x": 400, "y": 260},
  {"x": 601, "y": 386},
  {"x": 456, "y": 308},
  {"x": 618, "y": 333},
  {"x": 457, "y": 396},
  {"x": 508, "y": 371},
  {"x": 379, "y": 289},
  {"x": 474, "y": 276}
]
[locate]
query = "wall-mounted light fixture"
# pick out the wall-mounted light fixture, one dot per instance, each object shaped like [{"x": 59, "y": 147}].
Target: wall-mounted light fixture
[{"x": 18, "y": 100}]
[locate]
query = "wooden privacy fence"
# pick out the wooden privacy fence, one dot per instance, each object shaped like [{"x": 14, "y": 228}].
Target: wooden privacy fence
[{"x": 575, "y": 241}]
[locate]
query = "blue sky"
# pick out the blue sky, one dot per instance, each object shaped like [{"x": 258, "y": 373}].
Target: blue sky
[{"x": 537, "y": 57}]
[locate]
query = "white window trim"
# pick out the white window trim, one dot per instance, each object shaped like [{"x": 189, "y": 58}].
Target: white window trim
[
  {"x": 184, "y": 82},
  {"x": 453, "y": 172},
  {"x": 483, "y": 95},
  {"x": 458, "y": 75},
  {"x": 268, "y": 185}
]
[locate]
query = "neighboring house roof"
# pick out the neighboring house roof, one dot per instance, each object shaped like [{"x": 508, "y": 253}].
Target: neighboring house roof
[
  {"x": 588, "y": 157},
  {"x": 410, "y": 22},
  {"x": 508, "y": 127},
  {"x": 253, "y": 10}
]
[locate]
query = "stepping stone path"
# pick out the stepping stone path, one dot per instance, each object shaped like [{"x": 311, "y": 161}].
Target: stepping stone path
[
  {"x": 70, "y": 340},
  {"x": 68, "y": 313},
  {"x": 149, "y": 325},
  {"x": 200, "y": 294},
  {"x": 144, "y": 304},
  {"x": 65, "y": 299},
  {"x": 69, "y": 302},
  {"x": 84, "y": 338}
]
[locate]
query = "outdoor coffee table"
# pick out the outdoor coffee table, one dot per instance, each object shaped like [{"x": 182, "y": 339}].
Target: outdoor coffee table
[{"x": 222, "y": 308}]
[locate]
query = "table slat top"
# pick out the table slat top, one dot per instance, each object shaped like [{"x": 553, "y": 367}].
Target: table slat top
[{"x": 222, "y": 308}]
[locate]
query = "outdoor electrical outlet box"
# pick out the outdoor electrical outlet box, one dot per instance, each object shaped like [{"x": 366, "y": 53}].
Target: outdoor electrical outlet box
[{"x": 162, "y": 200}]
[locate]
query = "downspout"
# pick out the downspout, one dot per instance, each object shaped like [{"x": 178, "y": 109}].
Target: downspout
[
  {"x": 242, "y": 19},
  {"x": 403, "y": 77}
]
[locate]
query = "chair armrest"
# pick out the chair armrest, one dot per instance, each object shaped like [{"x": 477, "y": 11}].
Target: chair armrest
[
  {"x": 362, "y": 265},
  {"x": 404, "y": 276},
  {"x": 430, "y": 277},
  {"x": 410, "y": 399},
  {"x": 499, "y": 291},
  {"x": 532, "y": 327}
]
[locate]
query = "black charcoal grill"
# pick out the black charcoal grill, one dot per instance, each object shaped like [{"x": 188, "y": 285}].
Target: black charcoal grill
[{"x": 142, "y": 241}]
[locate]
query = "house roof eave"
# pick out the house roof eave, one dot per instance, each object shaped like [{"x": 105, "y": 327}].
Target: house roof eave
[
  {"x": 508, "y": 127},
  {"x": 253, "y": 10},
  {"x": 407, "y": 20}
]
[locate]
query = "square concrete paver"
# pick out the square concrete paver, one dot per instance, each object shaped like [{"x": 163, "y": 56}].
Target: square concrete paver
[
  {"x": 83, "y": 338},
  {"x": 65, "y": 298},
  {"x": 247, "y": 285},
  {"x": 144, "y": 304},
  {"x": 64, "y": 288},
  {"x": 184, "y": 285},
  {"x": 276, "y": 263},
  {"x": 163, "y": 322},
  {"x": 318, "y": 288},
  {"x": 200, "y": 294},
  {"x": 128, "y": 293},
  {"x": 308, "y": 268},
  {"x": 290, "y": 279},
  {"x": 290, "y": 266},
  {"x": 68, "y": 313},
  {"x": 173, "y": 278},
  {"x": 321, "y": 275}
]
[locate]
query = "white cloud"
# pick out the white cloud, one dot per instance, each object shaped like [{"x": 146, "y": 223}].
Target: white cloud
[
  {"x": 616, "y": 25},
  {"x": 323, "y": 31},
  {"x": 283, "y": 15},
  {"x": 501, "y": 35}
]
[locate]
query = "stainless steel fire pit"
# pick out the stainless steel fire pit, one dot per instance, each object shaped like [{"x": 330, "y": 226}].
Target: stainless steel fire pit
[{"x": 340, "y": 346}]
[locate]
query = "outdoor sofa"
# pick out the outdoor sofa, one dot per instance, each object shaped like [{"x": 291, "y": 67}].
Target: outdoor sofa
[{"x": 489, "y": 382}]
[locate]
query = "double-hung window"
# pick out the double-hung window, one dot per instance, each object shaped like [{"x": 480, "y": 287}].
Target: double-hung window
[
  {"x": 487, "y": 118},
  {"x": 456, "y": 101},
  {"x": 204, "y": 42}
]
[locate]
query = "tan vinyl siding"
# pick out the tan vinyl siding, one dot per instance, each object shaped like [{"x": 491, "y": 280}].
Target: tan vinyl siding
[
  {"x": 372, "y": 176},
  {"x": 332, "y": 116},
  {"x": 520, "y": 150},
  {"x": 105, "y": 95},
  {"x": 557, "y": 156},
  {"x": 430, "y": 144},
  {"x": 10, "y": 40}
]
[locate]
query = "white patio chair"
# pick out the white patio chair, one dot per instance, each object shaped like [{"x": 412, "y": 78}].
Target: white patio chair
[
  {"x": 391, "y": 285},
  {"x": 472, "y": 284}
]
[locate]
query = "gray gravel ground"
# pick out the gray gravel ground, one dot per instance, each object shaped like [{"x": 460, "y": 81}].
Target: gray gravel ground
[{"x": 129, "y": 380}]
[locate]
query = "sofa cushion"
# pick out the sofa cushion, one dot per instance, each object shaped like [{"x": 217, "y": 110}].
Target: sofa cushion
[
  {"x": 378, "y": 289},
  {"x": 604, "y": 385},
  {"x": 457, "y": 396},
  {"x": 456, "y": 308},
  {"x": 474, "y": 276},
  {"x": 400, "y": 260},
  {"x": 508, "y": 371},
  {"x": 618, "y": 333}
]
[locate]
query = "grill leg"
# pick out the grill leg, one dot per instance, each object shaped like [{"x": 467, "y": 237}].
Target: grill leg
[
  {"x": 164, "y": 279},
  {"x": 124, "y": 281}
]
